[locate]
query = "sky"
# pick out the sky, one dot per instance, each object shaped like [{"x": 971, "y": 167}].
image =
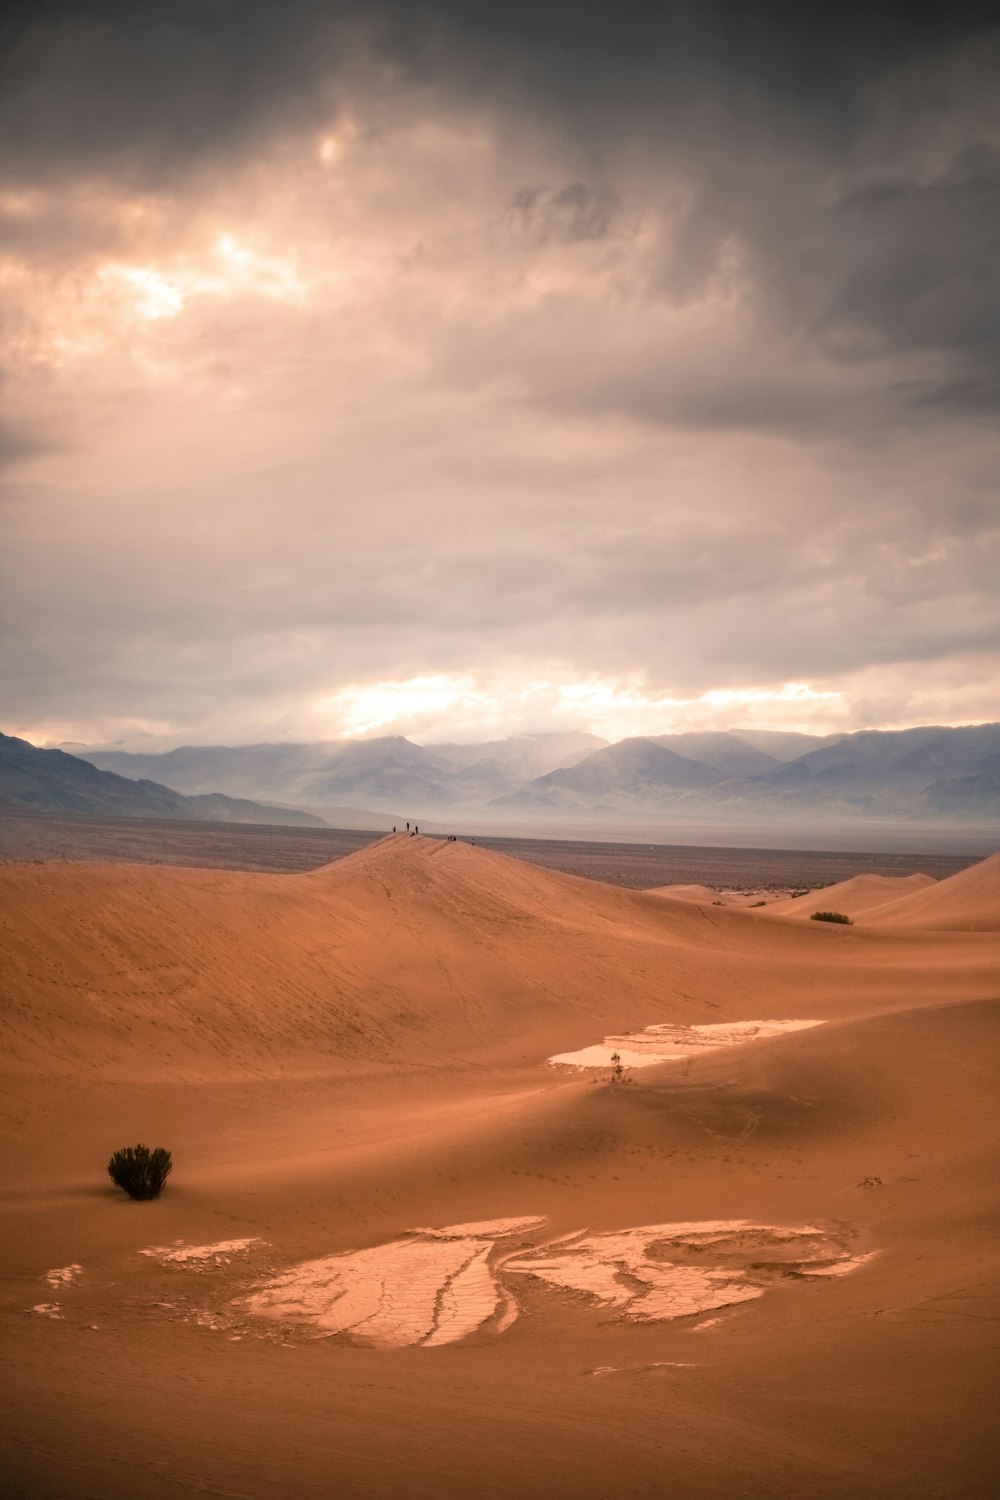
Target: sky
[{"x": 460, "y": 370}]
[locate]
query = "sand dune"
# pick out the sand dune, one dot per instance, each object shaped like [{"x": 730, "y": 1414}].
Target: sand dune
[
  {"x": 703, "y": 893},
  {"x": 409, "y": 952},
  {"x": 854, "y": 897},
  {"x": 966, "y": 902},
  {"x": 400, "y": 1253}
]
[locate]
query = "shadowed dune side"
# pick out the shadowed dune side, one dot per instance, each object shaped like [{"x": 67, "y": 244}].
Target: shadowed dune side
[
  {"x": 410, "y": 952},
  {"x": 725, "y": 1134}
]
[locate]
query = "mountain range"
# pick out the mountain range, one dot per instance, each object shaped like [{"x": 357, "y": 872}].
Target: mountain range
[
  {"x": 931, "y": 774},
  {"x": 38, "y": 780}
]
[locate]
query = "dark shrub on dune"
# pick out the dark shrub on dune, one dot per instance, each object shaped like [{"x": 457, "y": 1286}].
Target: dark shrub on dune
[
  {"x": 139, "y": 1171},
  {"x": 831, "y": 916}
]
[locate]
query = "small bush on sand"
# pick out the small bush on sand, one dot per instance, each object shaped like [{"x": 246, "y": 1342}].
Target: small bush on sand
[
  {"x": 620, "y": 1072},
  {"x": 139, "y": 1171},
  {"x": 831, "y": 916}
]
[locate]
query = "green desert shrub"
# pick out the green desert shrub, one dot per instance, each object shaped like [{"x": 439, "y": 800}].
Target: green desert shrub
[
  {"x": 139, "y": 1171},
  {"x": 831, "y": 916}
]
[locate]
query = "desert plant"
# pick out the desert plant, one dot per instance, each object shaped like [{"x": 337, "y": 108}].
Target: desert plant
[
  {"x": 139, "y": 1171},
  {"x": 620, "y": 1072},
  {"x": 831, "y": 916}
]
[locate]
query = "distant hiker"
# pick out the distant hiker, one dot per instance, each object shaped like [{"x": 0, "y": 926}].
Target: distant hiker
[
  {"x": 407, "y": 827},
  {"x": 416, "y": 828},
  {"x": 394, "y": 828}
]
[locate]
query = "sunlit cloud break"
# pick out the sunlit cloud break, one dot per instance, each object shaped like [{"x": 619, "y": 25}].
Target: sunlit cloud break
[{"x": 464, "y": 706}]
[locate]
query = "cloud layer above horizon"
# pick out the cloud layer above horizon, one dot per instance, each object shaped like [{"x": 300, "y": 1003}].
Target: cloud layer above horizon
[{"x": 457, "y": 370}]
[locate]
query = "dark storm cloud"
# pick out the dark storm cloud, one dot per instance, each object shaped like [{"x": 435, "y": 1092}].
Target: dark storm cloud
[
  {"x": 151, "y": 89},
  {"x": 919, "y": 262},
  {"x": 173, "y": 81},
  {"x": 574, "y": 213},
  {"x": 755, "y": 109},
  {"x": 704, "y": 82}
]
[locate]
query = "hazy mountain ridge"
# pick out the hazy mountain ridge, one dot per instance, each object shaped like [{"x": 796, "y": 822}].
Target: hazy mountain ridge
[
  {"x": 387, "y": 772},
  {"x": 913, "y": 773},
  {"x": 52, "y": 781},
  {"x": 635, "y": 770},
  {"x": 720, "y": 750},
  {"x": 921, "y": 774}
]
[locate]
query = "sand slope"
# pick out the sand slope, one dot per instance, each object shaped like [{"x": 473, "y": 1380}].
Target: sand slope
[
  {"x": 966, "y": 902},
  {"x": 703, "y": 893},
  {"x": 408, "y": 952},
  {"x": 339, "y": 1059},
  {"x": 854, "y": 897}
]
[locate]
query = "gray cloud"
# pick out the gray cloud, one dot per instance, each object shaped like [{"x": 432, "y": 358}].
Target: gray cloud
[
  {"x": 611, "y": 339},
  {"x": 568, "y": 215}
]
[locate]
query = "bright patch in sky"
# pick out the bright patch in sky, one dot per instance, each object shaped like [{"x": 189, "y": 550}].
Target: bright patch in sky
[
  {"x": 381, "y": 707},
  {"x": 230, "y": 269},
  {"x": 791, "y": 692},
  {"x": 440, "y": 706},
  {"x": 155, "y": 296}
]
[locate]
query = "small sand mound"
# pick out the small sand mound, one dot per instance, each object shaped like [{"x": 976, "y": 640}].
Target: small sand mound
[{"x": 685, "y": 892}]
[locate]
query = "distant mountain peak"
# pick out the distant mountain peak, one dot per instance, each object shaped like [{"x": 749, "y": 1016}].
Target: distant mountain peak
[{"x": 53, "y": 781}]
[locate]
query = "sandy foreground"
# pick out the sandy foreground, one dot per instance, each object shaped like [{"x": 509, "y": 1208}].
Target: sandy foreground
[{"x": 439, "y": 1265}]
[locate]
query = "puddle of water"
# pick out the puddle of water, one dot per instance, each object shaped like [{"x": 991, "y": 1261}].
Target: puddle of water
[
  {"x": 181, "y": 1254},
  {"x": 668, "y": 1042}
]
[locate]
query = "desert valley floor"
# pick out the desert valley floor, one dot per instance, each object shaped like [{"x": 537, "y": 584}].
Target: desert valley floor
[{"x": 402, "y": 1253}]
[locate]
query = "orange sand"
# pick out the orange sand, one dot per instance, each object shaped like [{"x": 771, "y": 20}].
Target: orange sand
[{"x": 338, "y": 1057}]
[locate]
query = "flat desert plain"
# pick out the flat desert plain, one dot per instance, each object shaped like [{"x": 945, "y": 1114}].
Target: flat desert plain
[{"x": 402, "y": 1253}]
